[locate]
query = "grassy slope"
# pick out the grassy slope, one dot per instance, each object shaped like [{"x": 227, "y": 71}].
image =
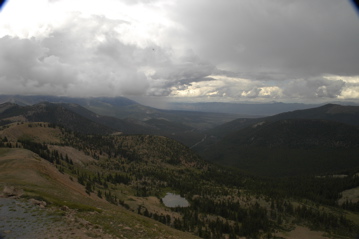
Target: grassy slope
[{"x": 40, "y": 179}]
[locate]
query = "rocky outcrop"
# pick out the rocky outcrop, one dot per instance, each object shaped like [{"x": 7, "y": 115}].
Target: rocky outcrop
[
  {"x": 11, "y": 191},
  {"x": 41, "y": 204}
]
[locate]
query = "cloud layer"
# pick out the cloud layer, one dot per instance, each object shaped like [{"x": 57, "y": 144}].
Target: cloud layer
[{"x": 238, "y": 50}]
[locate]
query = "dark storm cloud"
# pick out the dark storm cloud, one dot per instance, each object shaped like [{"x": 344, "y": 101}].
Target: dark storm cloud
[
  {"x": 71, "y": 61},
  {"x": 232, "y": 50},
  {"x": 303, "y": 38},
  {"x": 314, "y": 88},
  {"x": 183, "y": 71},
  {"x": 86, "y": 57},
  {"x": 27, "y": 63}
]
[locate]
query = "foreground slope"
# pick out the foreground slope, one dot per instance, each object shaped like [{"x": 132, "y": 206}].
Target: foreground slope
[
  {"x": 84, "y": 215},
  {"x": 113, "y": 185}
]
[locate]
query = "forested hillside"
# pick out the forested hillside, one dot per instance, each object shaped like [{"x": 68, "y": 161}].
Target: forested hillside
[
  {"x": 323, "y": 140},
  {"x": 329, "y": 112}
]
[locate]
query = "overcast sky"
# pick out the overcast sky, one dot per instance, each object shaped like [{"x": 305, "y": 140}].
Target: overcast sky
[{"x": 182, "y": 50}]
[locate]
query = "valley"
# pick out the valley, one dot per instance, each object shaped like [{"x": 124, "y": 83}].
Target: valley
[{"x": 268, "y": 177}]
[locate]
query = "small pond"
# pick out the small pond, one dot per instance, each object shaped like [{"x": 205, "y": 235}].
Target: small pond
[{"x": 174, "y": 200}]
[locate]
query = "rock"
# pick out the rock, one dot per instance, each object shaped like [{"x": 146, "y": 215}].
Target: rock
[
  {"x": 65, "y": 208},
  {"x": 41, "y": 204},
  {"x": 11, "y": 191}
]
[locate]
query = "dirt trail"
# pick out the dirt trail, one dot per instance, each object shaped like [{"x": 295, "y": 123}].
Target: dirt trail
[{"x": 22, "y": 220}]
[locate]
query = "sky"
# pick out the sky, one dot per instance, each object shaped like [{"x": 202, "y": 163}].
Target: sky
[{"x": 303, "y": 51}]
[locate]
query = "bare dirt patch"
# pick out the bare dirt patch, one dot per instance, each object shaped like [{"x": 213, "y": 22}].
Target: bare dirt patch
[
  {"x": 19, "y": 118},
  {"x": 75, "y": 155},
  {"x": 22, "y": 219},
  {"x": 23, "y": 167},
  {"x": 351, "y": 195},
  {"x": 302, "y": 232},
  {"x": 39, "y": 132}
]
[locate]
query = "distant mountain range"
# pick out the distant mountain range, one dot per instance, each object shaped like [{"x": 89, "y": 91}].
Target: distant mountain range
[
  {"x": 249, "y": 109},
  {"x": 81, "y": 120},
  {"x": 318, "y": 140},
  {"x": 122, "y": 108},
  {"x": 332, "y": 112}
]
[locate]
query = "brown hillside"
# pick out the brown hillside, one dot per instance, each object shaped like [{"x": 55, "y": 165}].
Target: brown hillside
[
  {"x": 86, "y": 216},
  {"x": 27, "y": 170},
  {"x": 38, "y": 178},
  {"x": 75, "y": 155},
  {"x": 37, "y": 132}
]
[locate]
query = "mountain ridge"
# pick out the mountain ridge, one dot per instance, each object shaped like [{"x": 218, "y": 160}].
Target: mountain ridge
[
  {"x": 332, "y": 112},
  {"x": 122, "y": 108},
  {"x": 311, "y": 141},
  {"x": 80, "y": 119}
]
